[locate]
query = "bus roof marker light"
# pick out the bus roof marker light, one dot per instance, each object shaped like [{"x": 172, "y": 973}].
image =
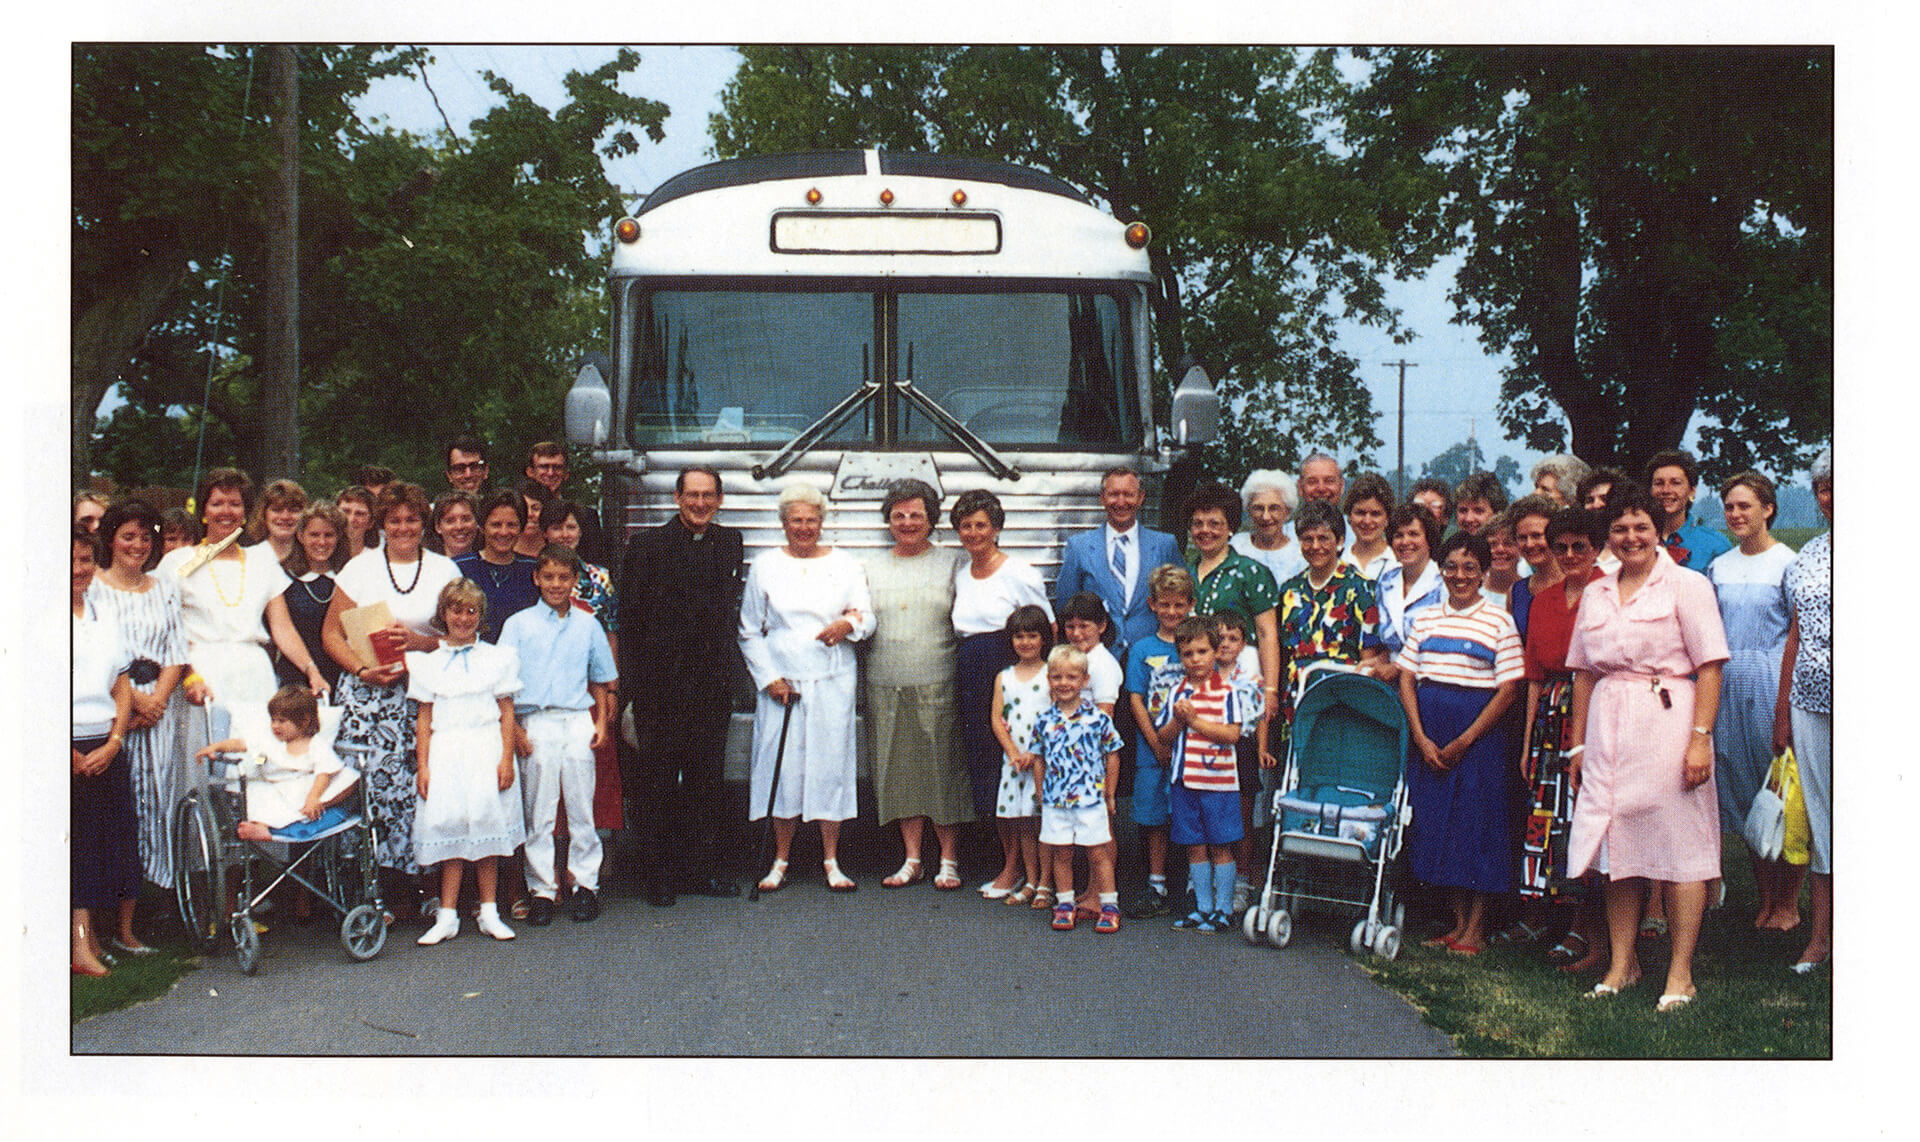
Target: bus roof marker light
[
  {"x": 627, "y": 230},
  {"x": 959, "y": 197},
  {"x": 886, "y": 198},
  {"x": 813, "y": 196},
  {"x": 1138, "y": 234}
]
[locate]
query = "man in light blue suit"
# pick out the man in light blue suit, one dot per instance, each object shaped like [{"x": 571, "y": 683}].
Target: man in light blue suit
[{"x": 1114, "y": 560}]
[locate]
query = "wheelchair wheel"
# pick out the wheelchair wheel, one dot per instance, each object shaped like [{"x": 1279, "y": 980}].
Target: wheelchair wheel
[
  {"x": 199, "y": 872},
  {"x": 1386, "y": 944},
  {"x": 364, "y": 932},
  {"x": 1250, "y": 925},
  {"x": 246, "y": 944},
  {"x": 1357, "y": 940}
]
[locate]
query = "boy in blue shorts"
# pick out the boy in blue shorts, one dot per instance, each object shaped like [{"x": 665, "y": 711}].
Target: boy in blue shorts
[
  {"x": 1078, "y": 770},
  {"x": 1170, "y": 597},
  {"x": 1198, "y": 721}
]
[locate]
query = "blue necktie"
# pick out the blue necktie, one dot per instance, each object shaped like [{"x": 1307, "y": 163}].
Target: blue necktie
[{"x": 1120, "y": 558}]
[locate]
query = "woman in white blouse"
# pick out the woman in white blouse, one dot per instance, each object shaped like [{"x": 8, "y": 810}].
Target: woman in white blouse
[
  {"x": 986, "y": 589},
  {"x": 377, "y": 718},
  {"x": 803, "y": 607},
  {"x": 230, "y": 599},
  {"x": 1368, "y": 503}
]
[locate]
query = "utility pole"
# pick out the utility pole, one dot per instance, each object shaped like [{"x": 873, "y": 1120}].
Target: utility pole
[
  {"x": 280, "y": 380},
  {"x": 1400, "y": 435}
]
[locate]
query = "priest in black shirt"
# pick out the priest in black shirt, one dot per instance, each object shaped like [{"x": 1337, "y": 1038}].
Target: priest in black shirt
[{"x": 679, "y": 596}]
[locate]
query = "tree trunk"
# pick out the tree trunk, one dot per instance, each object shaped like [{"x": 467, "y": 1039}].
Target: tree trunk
[
  {"x": 107, "y": 335},
  {"x": 278, "y": 439}
]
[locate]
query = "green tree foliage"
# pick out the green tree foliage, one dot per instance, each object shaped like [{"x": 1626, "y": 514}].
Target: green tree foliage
[
  {"x": 1264, "y": 234},
  {"x": 447, "y": 283},
  {"x": 1648, "y": 231}
]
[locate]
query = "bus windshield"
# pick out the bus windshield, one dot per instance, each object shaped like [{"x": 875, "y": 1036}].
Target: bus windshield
[{"x": 1047, "y": 368}]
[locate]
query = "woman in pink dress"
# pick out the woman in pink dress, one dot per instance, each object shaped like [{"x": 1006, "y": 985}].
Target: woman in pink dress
[{"x": 1646, "y": 653}]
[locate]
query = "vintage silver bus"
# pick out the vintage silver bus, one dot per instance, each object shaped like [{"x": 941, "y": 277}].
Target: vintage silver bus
[{"x": 853, "y": 317}]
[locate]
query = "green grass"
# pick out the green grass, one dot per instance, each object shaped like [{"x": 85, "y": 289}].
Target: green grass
[
  {"x": 1509, "y": 1003},
  {"x": 135, "y": 979}
]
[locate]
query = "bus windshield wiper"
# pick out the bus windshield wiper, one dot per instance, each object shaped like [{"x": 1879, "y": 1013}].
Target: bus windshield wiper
[
  {"x": 869, "y": 391},
  {"x": 802, "y": 444},
  {"x": 950, "y": 424}
]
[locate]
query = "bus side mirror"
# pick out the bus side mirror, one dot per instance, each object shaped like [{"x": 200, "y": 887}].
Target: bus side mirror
[
  {"x": 1196, "y": 409},
  {"x": 589, "y": 408}
]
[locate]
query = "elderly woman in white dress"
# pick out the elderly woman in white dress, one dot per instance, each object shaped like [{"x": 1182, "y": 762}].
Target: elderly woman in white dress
[{"x": 804, "y": 606}]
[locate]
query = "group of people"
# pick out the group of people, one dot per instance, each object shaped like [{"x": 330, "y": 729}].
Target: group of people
[
  {"x": 373, "y": 600},
  {"x": 1594, "y": 687}
]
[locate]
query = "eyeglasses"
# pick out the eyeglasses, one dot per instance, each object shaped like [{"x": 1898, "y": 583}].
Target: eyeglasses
[
  {"x": 1570, "y": 548},
  {"x": 554, "y": 466},
  {"x": 468, "y": 466}
]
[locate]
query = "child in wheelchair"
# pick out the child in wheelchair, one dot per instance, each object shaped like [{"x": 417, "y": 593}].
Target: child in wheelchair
[{"x": 294, "y": 780}]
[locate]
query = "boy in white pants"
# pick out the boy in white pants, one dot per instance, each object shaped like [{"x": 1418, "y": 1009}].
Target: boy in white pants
[{"x": 563, "y": 709}]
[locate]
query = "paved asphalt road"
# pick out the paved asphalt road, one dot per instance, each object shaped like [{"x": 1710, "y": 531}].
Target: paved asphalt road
[{"x": 802, "y": 972}]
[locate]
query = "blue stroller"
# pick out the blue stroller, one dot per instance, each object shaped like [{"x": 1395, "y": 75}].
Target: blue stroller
[{"x": 1340, "y": 812}]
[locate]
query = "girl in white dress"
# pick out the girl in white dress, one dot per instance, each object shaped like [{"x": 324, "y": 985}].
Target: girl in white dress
[
  {"x": 1019, "y": 695},
  {"x": 464, "y": 738}
]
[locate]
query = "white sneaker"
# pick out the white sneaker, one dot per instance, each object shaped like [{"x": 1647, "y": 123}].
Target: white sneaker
[
  {"x": 1242, "y": 896},
  {"x": 489, "y": 922},
  {"x": 446, "y": 926}
]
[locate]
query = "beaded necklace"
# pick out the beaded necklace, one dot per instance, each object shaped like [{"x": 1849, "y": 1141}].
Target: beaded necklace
[
  {"x": 419, "y": 565},
  {"x": 222, "y": 591}
]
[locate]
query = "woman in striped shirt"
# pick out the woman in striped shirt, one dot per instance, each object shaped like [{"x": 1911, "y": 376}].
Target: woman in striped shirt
[{"x": 1459, "y": 671}]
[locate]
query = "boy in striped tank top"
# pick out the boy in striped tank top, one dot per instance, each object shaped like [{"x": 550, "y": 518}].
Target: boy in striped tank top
[{"x": 1200, "y": 719}]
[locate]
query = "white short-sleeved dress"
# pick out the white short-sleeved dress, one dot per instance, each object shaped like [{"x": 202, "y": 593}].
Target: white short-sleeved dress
[
  {"x": 465, "y": 814},
  {"x": 279, "y": 780},
  {"x": 223, "y": 605}
]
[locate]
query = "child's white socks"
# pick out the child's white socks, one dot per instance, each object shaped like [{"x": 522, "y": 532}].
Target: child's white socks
[
  {"x": 489, "y": 922},
  {"x": 446, "y": 925}
]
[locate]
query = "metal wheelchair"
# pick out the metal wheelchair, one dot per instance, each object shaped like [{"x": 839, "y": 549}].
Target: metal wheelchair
[{"x": 336, "y": 863}]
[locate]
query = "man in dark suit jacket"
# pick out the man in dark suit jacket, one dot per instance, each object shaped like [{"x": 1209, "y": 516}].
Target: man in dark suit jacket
[
  {"x": 1090, "y": 557},
  {"x": 680, "y": 587}
]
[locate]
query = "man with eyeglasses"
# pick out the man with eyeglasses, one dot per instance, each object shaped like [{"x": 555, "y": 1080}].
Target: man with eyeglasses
[
  {"x": 467, "y": 465},
  {"x": 547, "y": 465}
]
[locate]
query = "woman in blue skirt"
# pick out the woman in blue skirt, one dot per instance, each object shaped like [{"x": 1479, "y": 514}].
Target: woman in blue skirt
[{"x": 1459, "y": 671}]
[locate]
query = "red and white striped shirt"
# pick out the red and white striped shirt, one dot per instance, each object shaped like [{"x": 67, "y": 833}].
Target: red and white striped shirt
[{"x": 1197, "y": 762}]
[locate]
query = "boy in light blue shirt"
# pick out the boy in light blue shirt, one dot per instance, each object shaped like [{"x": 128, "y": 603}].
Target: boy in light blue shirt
[{"x": 563, "y": 708}]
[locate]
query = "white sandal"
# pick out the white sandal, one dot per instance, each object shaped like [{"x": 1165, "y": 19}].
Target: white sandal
[
  {"x": 948, "y": 879},
  {"x": 776, "y": 877},
  {"x": 992, "y": 891},
  {"x": 908, "y": 873},
  {"x": 837, "y": 881}
]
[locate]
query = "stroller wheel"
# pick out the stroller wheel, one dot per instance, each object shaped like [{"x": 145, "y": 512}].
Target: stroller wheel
[
  {"x": 1357, "y": 942},
  {"x": 1250, "y": 925},
  {"x": 1280, "y": 928},
  {"x": 246, "y": 944},
  {"x": 1386, "y": 945},
  {"x": 364, "y": 932}
]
